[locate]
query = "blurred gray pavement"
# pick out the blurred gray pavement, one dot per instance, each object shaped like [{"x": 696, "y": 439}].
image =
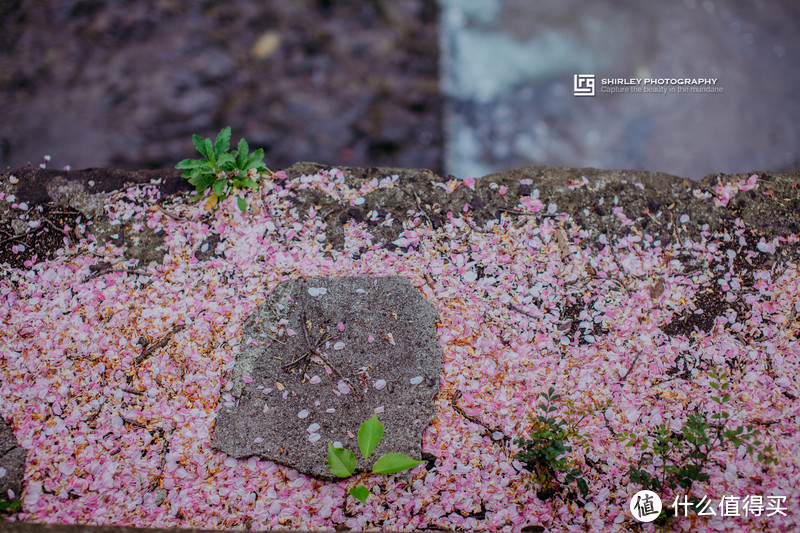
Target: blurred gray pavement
[{"x": 507, "y": 70}]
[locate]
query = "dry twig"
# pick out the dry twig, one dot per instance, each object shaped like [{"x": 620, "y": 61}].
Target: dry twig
[
  {"x": 489, "y": 429},
  {"x": 148, "y": 350}
]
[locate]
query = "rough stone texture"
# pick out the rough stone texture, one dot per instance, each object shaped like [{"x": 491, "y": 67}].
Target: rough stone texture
[
  {"x": 773, "y": 210},
  {"x": 77, "y": 197},
  {"x": 38, "y": 185},
  {"x": 388, "y": 334},
  {"x": 12, "y": 460},
  {"x": 650, "y": 199}
]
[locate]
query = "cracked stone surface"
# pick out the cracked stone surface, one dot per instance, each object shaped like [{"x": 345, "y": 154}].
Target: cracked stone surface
[
  {"x": 12, "y": 464},
  {"x": 318, "y": 358}
]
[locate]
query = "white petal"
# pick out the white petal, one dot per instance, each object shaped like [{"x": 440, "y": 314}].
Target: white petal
[
  {"x": 416, "y": 381},
  {"x": 317, "y": 291},
  {"x": 303, "y": 414},
  {"x": 314, "y": 437},
  {"x": 380, "y": 384}
]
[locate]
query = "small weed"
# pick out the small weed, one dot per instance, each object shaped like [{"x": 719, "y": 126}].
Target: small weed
[
  {"x": 222, "y": 172},
  {"x": 678, "y": 459},
  {"x": 9, "y": 507},
  {"x": 543, "y": 451},
  {"x": 342, "y": 462}
]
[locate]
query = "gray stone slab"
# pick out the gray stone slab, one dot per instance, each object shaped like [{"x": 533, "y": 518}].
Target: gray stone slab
[
  {"x": 12, "y": 463},
  {"x": 366, "y": 331}
]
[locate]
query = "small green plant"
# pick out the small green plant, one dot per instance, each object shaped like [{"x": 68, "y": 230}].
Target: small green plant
[
  {"x": 683, "y": 455},
  {"x": 543, "y": 453},
  {"x": 9, "y": 507},
  {"x": 222, "y": 172},
  {"x": 342, "y": 462}
]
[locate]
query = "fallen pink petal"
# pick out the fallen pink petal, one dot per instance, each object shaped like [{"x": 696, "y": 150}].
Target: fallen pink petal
[{"x": 113, "y": 373}]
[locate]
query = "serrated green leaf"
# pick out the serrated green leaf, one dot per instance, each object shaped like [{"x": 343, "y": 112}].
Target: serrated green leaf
[
  {"x": 242, "y": 153},
  {"x": 200, "y": 145},
  {"x": 209, "y": 151},
  {"x": 242, "y": 204},
  {"x": 360, "y": 492},
  {"x": 369, "y": 435},
  {"x": 341, "y": 461},
  {"x": 394, "y": 462},
  {"x": 206, "y": 180},
  {"x": 223, "y": 142},
  {"x": 190, "y": 164},
  {"x": 219, "y": 187},
  {"x": 222, "y": 171},
  {"x": 226, "y": 162},
  {"x": 255, "y": 160}
]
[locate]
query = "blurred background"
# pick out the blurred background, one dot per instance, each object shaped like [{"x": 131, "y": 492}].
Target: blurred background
[{"x": 463, "y": 87}]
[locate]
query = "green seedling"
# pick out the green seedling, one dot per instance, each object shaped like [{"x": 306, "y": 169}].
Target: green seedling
[
  {"x": 342, "y": 462},
  {"x": 222, "y": 172},
  {"x": 543, "y": 453},
  {"x": 9, "y": 507},
  {"x": 685, "y": 455}
]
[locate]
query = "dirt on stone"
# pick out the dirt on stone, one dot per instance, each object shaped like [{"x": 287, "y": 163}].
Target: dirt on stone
[
  {"x": 52, "y": 208},
  {"x": 59, "y": 203},
  {"x": 337, "y": 322}
]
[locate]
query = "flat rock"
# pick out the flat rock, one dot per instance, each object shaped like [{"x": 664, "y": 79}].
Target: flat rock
[
  {"x": 12, "y": 464},
  {"x": 318, "y": 358}
]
